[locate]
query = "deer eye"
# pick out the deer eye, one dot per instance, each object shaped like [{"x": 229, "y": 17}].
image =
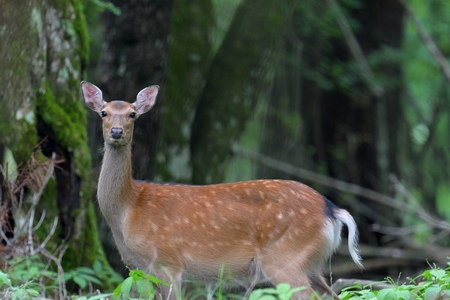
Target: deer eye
[
  {"x": 104, "y": 114},
  {"x": 133, "y": 115}
]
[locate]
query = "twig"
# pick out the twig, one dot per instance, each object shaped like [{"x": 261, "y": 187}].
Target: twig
[
  {"x": 34, "y": 201},
  {"x": 407, "y": 252},
  {"x": 341, "y": 186},
  {"x": 47, "y": 239},
  {"x": 4, "y": 237},
  {"x": 429, "y": 43},
  {"x": 340, "y": 284},
  {"x": 41, "y": 220},
  {"x": 57, "y": 261},
  {"x": 420, "y": 212}
]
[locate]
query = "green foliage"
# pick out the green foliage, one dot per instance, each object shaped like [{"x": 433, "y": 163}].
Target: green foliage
[
  {"x": 426, "y": 108},
  {"x": 431, "y": 284},
  {"x": 10, "y": 291},
  {"x": 26, "y": 273},
  {"x": 106, "y": 274},
  {"x": 82, "y": 276},
  {"x": 31, "y": 276},
  {"x": 283, "y": 291},
  {"x": 144, "y": 285}
]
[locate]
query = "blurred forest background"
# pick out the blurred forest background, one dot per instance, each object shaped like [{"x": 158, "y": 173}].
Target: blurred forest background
[{"x": 348, "y": 96}]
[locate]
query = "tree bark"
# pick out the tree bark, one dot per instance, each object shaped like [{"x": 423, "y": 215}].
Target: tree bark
[
  {"x": 190, "y": 52},
  {"x": 43, "y": 54},
  {"x": 240, "y": 74},
  {"x": 134, "y": 57}
]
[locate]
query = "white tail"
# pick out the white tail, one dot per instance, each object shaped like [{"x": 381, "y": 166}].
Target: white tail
[{"x": 274, "y": 230}]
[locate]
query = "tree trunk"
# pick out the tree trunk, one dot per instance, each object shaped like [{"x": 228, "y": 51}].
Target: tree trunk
[
  {"x": 134, "y": 57},
  {"x": 43, "y": 54},
  {"x": 240, "y": 74},
  {"x": 190, "y": 52}
]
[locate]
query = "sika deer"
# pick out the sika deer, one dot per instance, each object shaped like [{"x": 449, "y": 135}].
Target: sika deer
[{"x": 274, "y": 230}]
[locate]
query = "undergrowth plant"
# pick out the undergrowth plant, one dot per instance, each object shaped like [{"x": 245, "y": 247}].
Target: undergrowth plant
[
  {"x": 432, "y": 284},
  {"x": 28, "y": 268},
  {"x": 283, "y": 291},
  {"x": 29, "y": 277},
  {"x": 26, "y": 277},
  {"x": 138, "y": 284}
]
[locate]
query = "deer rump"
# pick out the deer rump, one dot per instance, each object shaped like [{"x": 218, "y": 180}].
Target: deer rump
[{"x": 263, "y": 228}]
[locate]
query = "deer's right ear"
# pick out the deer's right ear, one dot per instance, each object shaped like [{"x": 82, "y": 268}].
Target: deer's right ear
[{"x": 93, "y": 96}]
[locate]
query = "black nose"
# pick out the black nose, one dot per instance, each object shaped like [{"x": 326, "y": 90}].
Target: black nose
[{"x": 116, "y": 133}]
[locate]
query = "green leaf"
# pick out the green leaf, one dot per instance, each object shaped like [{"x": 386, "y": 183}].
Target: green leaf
[
  {"x": 123, "y": 290},
  {"x": 437, "y": 273},
  {"x": 386, "y": 294},
  {"x": 256, "y": 294},
  {"x": 85, "y": 270},
  {"x": 155, "y": 280},
  {"x": 100, "y": 296},
  {"x": 404, "y": 294},
  {"x": 267, "y": 297},
  {"x": 283, "y": 288},
  {"x": 137, "y": 274},
  {"x": 68, "y": 275},
  {"x": 270, "y": 291},
  {"x": 97, "y": 266},
  {"x": 82, "y": 283},
  {"x": 432, "y": 293},
  {"x": 117, "y": 291},
  {"x": 4, "y": 279},
  {"x": 92, "y": 279}
]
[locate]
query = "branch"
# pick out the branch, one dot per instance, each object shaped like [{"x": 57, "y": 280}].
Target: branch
[
  {"x": 340, "y": 284},
  {"x": 49, "y": 236},
  {"x": 405, "y": 255},
  {"x": 420, "y": 212},
  {"x": 34, "y": 201},
  {"x": 429, "y": 43},
  {"x": 57, "y": 260}
]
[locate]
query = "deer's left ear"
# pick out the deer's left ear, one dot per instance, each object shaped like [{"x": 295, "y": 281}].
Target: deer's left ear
[{"x": 146, "y": 99}]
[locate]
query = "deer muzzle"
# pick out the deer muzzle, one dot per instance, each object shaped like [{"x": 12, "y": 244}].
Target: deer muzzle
[{"x": 116, "y": 133}]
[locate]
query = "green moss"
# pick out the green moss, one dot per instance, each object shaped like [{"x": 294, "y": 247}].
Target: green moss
[
  {"x": 21, "y": 137},
  {"x": 17, "y": 122},
  {"x": 67, "y": 118},
  {"x": 41, "y": 82},
  {"x": 81, "y": 29}
]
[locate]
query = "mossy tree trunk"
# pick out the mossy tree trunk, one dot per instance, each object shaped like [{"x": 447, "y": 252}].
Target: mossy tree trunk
[
  {"x": 42, "y": 57},
  {"x": 239, "y": 76},
  {"x": 190, "y": 52},
  {"x": 134, "y": 57}
]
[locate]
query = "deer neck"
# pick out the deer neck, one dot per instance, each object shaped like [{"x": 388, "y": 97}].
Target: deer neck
[{"x": 116, "y": 190}]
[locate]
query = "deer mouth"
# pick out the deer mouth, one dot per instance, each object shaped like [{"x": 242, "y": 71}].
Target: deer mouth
[
  {"x": 116, "y": 141},
  {"x": 116, "y": 137}
]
